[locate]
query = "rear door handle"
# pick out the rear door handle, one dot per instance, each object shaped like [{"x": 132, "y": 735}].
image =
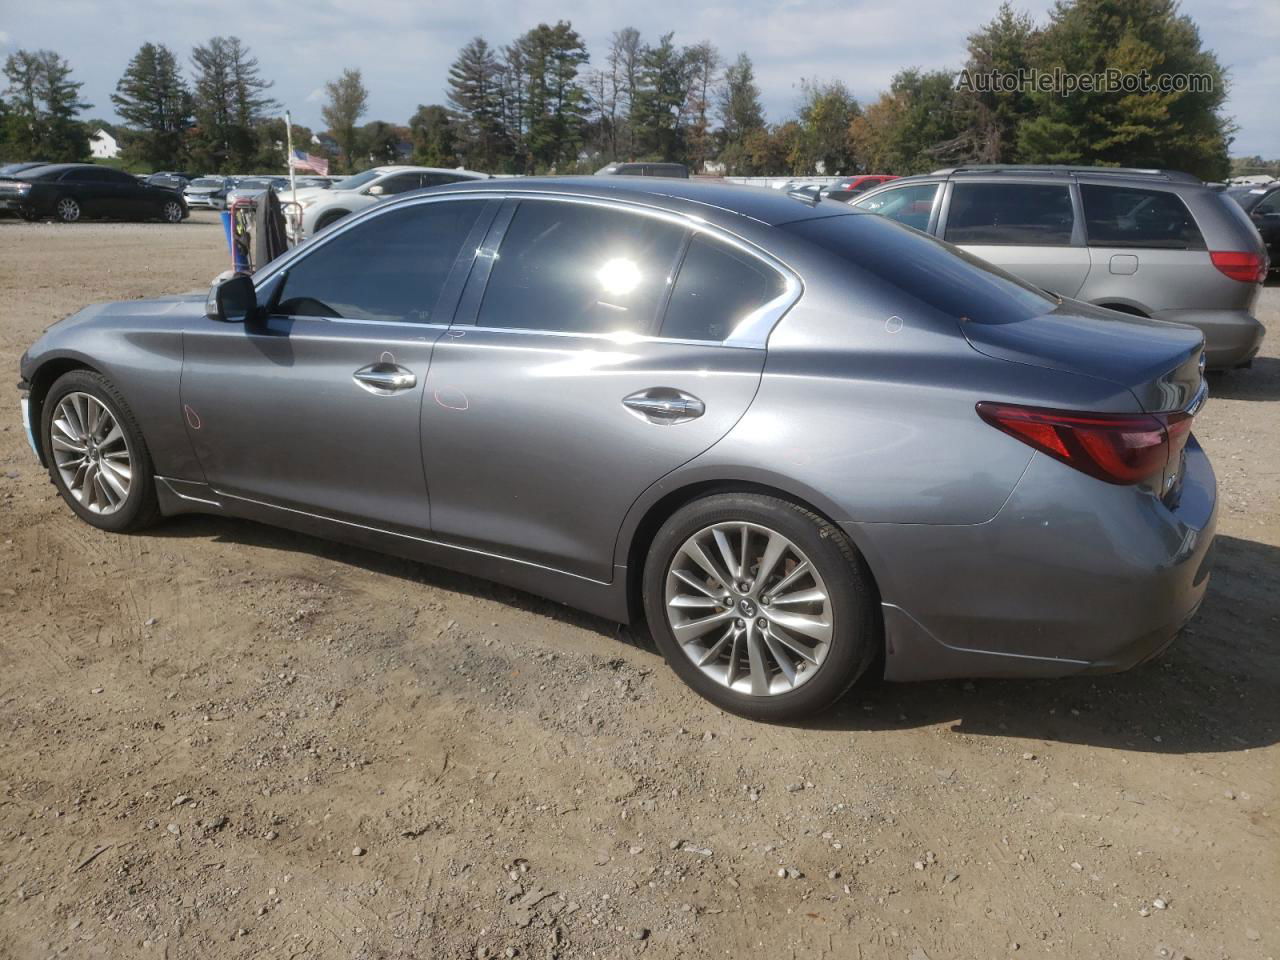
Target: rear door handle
[
  {"x": 664, "y": 405},
  {"x": 384, "y": 378}
]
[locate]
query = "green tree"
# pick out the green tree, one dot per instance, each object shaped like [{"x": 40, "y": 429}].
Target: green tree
[
  {"x": 657, "y": 112},
  {"x": 348, "y": 100},
  {"x": 741, "y": 119},
  {"x": 822, "y": 143},
  {"x": 932, "y": 122},
  {"x": 230, "y": 98},
  {"x": 475, "y": 99},
  {"x": 431, "y": 133},
  {"x": 703, "y": 65},
  {"x": 555, "y": 99},
  {"x": 153, "y": 99},
  {"x": 1181, "y": 129},
  {"x": 43, "y": 108},
  {"x": 1005, "y": 45}
]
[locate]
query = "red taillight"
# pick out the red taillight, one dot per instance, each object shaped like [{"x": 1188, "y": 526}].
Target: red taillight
[
  {"x": 1119, "y": 448},
  {"x": 1245, "y": 267}
]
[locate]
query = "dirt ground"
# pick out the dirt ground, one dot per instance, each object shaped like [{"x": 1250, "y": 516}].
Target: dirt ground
[{"x": 222, "y": 740}]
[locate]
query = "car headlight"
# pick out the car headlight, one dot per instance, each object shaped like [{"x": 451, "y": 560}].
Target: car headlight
[{"x": 308, "y": 202}]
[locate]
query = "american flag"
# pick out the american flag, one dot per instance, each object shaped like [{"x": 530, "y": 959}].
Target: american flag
[{"x": 299, "y": 160}]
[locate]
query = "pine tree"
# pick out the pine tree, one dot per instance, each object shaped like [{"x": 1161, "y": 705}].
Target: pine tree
[
  {"x": 432, "y": 135},
  {"x": 657, "y": 113},
  {"x": 703, "y": 62},
  {"x": 230, "y": 99},
  {"x": 555, "y": 98},
  {"x": 474, "y": 97},
  {"x": 741, "y": 118},
  {"x": 153, "y": 99}
]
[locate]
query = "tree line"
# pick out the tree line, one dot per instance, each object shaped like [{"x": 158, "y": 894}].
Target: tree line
[{"x": 540, "y": 104}]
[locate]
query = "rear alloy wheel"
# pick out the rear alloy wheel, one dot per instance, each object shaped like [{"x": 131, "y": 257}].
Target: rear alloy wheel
[
  {"x": 67, "y": 209},
  {"x": 761, "y": 606},
  {"x": 95, "y": 453},
  {"x": 172, "y": 211}
]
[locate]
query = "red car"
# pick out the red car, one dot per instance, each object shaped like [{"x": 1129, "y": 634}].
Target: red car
[{"x": 846, "y": 188}]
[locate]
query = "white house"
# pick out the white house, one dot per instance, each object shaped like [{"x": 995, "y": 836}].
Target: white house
[{"x": 103, "y": 146}]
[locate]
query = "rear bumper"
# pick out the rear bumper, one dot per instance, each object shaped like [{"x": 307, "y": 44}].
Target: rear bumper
[
  {"x": 1231, "y": 337},
  {"x": 1072, "y": 576}
]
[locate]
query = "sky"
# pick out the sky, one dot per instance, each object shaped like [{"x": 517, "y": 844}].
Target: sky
[{"x": 404, "y": 47}]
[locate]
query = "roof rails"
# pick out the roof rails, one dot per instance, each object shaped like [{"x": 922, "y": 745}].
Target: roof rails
[{"x": 1174, "y": 176}]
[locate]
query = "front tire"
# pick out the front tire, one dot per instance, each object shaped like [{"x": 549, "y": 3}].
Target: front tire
[
  {"x": 763, "y": 607},
  {"x": 171, "y": 211},
  {"x": 97, "y": 458},
  {"x": 67, "y": 209}
]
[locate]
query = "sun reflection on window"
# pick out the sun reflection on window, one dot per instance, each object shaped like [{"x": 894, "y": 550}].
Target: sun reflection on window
[{"x": 619, "y": 276}]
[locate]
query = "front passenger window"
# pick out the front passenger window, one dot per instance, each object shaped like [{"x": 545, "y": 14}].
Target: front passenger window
[{"x": 390, "y": 267}]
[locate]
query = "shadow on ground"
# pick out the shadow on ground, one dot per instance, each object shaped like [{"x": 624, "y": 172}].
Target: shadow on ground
[{"x": 1216, "y": 690}]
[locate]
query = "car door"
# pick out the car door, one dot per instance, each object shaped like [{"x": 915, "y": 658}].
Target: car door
[
  {"x": 316, "y": 407},
  {"x": 132, "y": 200},
  {"x": 1145, "y": 250},
  {"x": 91, "y": 190},
  {"x": 559, "y": 396},
  {"x": 1029, "y": 229}
]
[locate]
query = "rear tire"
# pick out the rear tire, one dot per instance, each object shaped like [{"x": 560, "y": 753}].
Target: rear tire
[
  {"x": 97, "y": 458},
  {"x": 815, "y": 629}
]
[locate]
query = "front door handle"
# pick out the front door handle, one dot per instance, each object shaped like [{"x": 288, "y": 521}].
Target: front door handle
[
  {"x": 664, "y": 405},
  {"x": 384, "y": 378}
]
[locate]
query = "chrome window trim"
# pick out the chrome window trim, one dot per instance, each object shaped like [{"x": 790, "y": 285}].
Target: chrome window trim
[{"x": 752, "y": 331}]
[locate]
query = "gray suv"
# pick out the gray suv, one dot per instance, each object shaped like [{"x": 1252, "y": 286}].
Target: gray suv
[{"x": 1152, "y": 243}]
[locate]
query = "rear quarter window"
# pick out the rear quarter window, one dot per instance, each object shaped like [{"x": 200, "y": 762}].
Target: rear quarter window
[
  {"x": 716, "y": 289},
  {"x": 1134, "y": 217}
]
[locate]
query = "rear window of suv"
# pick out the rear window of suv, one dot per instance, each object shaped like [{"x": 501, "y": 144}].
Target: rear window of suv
[{"x": 1133, "y": 217}]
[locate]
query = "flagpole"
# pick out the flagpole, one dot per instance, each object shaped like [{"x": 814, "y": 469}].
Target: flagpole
[{"x": 293, "y": 178}]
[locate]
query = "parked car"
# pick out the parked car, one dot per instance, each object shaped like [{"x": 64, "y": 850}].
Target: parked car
[
  {"x": 319, "y": 209},
  {"x": 1151, "y": 243},
  {"x": 678, "y": 170},
  {"x": 846, "y": 188},
  {"x": 250, "y": 188},
  {"x": 1262, "y": 204},
  {"x": 174, "y": 181},
  {"x": 12, "y": 169},
  {"x": 792, "y": 438},
  {"x": 78, "y": 191},
  {"x": 210, "y": 192}
]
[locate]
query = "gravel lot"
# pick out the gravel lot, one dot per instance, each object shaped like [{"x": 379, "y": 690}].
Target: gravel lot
[{"x": 222, "y": 740}]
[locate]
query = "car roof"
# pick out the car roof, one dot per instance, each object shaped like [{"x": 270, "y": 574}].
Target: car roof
[
  {"x": 771, "y": 207},
  {"x": 1065, "y": 170}
]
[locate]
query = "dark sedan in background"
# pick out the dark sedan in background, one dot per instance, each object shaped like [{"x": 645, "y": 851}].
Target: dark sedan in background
[
  {"x": 1262, "y": 204},
  {"x": 79, "y": 191}
]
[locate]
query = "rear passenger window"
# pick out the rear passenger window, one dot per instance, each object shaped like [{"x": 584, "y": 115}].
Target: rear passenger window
[
  {"x": 390, "y": 267},
  {"x": 580, "y": 268},
  {"x": 1010, "y": 213},
  {"x": 1130, "y": 217},
  {"x": 717, "y": 287}
]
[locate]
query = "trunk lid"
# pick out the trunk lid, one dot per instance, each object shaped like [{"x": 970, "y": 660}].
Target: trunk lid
[{"x": 1158, "y": 361}]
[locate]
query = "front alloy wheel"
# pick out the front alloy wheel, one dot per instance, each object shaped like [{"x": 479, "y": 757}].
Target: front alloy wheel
[
  {"x": 91, "y": 453},
  {"x": 96, "y": 456},
  {"x": 172, "y": 211},
  {"x": 68, "y": 210}
]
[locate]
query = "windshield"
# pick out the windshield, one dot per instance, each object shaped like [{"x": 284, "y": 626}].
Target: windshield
[
  {"x": 253, "y": 184},
  {"x": 357, "y": 180},
  {"x": 939, "y": 275},
  {"x": 207, "y": 182}
]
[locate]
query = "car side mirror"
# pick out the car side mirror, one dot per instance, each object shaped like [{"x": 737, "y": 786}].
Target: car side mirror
[
  {"x": 376, "y": 190},
  {"x": 232, "y": 301}
]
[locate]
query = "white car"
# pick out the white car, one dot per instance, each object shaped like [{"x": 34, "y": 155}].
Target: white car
[{"x": 321, "y": 208}]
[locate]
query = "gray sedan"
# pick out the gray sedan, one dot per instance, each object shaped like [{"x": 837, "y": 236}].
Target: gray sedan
[{"x": 800, "y": 442}]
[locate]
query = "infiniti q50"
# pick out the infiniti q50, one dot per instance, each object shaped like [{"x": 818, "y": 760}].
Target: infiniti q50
[{"x": 795, "y": 439}]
